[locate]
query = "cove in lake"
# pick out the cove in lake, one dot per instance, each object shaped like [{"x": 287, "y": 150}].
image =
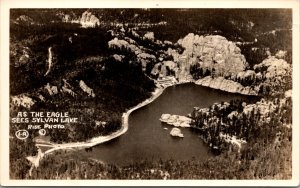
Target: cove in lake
[{"x": 146, "y": 137}]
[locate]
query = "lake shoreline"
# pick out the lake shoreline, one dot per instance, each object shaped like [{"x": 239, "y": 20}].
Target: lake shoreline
[
  {"x": 124, "y": 127},
  {"x": 96, "y": 140},
  {"x": 101, "y": 139}
]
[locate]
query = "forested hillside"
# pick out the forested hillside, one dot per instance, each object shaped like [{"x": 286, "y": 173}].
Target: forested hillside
[{"x": 98, "y": 63}]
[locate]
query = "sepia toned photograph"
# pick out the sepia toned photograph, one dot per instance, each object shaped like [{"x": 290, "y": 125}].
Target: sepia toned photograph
[{"x": 150, "y": 94}]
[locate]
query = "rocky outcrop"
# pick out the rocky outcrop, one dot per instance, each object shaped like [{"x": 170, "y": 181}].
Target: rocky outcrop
[
  {"x": 149, "y": 36},
  {"x": 145, "y": 58},
  {"x": 123, "y": 45},
  {"x": 167, "y": 81},
  {"x": 89, "y": 20},
  {"x": 156, "y": 69},
  {"x": 176, "y": 120},
  {"x": 216, "y": 59},
  {"x": 86, "y": 89},
  {"x": 41, "y": 97},
  {"x": 213, "y": 52},
  {"x": 24, "y": 58},
  {"x": 86, "y": 20},
  {"x": 22, "y": 100},
  {"x": 226, "y": 85},
  {"x": 276, "y": 75},
  {"x": 176, "y": 132},
  {"x": 116, "y": 43},
  {"x": 118, "y": 57},
  {"x": 232, "y": 114},
  {"x": 233, "y": 140},
  {"x": 275, "y": 67},
  {"x": 135, "y": 34},
  {"x": 288, "y": 94},
  {"x": 250, "y": 74},
  {"x": 131, "y": 41},
  {"x": 167, "y": 68},
  {"x": 100, "y": 124},
  {"x": 168, "y": 42},
  {"x": 69, "y": 91},
  {"x": 214, "y": 56},
  {"x": 142, "y": 57},
  {"x": 67, "y": 88},
  {"x": 263, "y": 107},
  {"x": 24, "y": 19},
  {"x": 281, "y": 54},
  {"x": 52, "y": 90}
]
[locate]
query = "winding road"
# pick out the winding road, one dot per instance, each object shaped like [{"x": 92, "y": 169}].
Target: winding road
[{"x": 97, "y": 140}]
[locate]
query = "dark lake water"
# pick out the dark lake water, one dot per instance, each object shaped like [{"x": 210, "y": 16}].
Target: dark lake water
[{"x": 146, "y": 137}]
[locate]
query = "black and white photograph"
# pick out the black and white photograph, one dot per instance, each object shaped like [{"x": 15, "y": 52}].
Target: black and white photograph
[{"x": 153, "y": 93}]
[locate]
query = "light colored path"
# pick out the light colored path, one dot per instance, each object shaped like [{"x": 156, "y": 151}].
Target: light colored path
[{"x": 100, "y": 139}]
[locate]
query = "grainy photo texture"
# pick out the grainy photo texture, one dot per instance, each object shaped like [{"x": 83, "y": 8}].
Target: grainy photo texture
[{"x": 150, "y": 94}]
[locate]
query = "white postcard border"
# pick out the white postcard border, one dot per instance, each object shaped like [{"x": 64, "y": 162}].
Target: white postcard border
[{"x": 4, "y": 72}]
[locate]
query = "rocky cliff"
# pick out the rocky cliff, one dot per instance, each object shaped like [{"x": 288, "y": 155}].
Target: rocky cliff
[
  {"x": 213, "y": 52},
  {"x": 274, "y": 67},
  {"x": 86, "y": 20},
  {"x": 226, "y": 85},
  {"x": 214, "y": 56}
]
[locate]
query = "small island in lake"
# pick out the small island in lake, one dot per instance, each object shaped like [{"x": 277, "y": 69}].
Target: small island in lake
[{"x": 127, "y": 75}]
